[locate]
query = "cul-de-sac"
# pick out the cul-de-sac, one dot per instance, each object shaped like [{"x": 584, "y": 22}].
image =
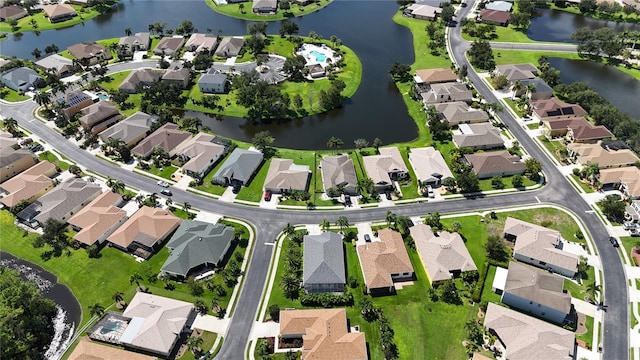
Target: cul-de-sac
[{"x": 320, "y": 179}]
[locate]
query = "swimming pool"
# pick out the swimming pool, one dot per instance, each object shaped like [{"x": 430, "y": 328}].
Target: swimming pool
[
  {"x": 110, "y": 327},
  {"x": 320, "y": 57},
  {"x": 102, "y": 96}
]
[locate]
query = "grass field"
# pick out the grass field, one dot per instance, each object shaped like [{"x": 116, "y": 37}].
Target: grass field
[
  {"x": 208, "y": 338},
  {"x": 506, "y": 34},
  {"x": 10, "y": 95},
  {"x": 243, "y": 10},
  {"x": 42, "y": 23},
  {"x": 554, "y": 146},
  {"x": 46, "y": 155}
]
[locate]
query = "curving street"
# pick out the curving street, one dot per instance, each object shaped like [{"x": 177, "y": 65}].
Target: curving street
[{"x": 269, "y": 223}]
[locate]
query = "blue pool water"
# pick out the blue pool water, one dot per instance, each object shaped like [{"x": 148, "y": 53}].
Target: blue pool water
[
  {"x": 320, "y": 57},
  {"x": 102, "y": 96}
]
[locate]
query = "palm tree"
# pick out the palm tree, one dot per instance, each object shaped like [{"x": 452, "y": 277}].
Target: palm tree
[
  {"x": 43, "y": 98},
  {"x": 96, "y": 310},
  {"x": 140, "y": 200},
  {"x": 342, "y": 223},
  {"x": 215, "y": 304},
  {"x": 390, "y": 218},
  {"x": 127, "y": 31},
  {"x": 592, "y": 291},
  {"x": 135, "y": 278},
  {"x": 117, "y": 297},
  {"x": 169, "y": 202},
  {"x": 194, "y": 343},
  {"x": 10, "y": 125},
  {"x": 325, "y": 225},
  {"x": 517, "y": 87},
  {"x": 153, "y": 198},
  {"x": 334, "y": 142},
  {"x": 186, "y": 206},
  {"x": 200, "y": 306},
  {"x": 290, "y": 284},
  {"x": 289, "y": 229}
]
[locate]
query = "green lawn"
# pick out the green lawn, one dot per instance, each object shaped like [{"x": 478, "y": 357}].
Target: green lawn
[
  {"x": 514, "y": 107},
  {"x": 585, "y": 187},
  {"x": 423, "y": 57},
  {"x": 554, "y": 146},
  {"x": 504, "y": 57},
  {"x": 182, "y": 214},
  {"x": 164, "y": 172},
  {"x": 487, "y": 293},
  {"x": 618, "y": 17},
  {"x": 578, "y": 290},
  {"x": 208, "y": 339},
  {"x": 10, "y": 95},
  {"x": 628, "y": 242},
  {"x": 253, "y": 191},
  {"x": 506, "y": 34},
  {"x": 46, "y": 155},
  {"x": 42, "y": 23},
  {"x": 207, "y": 186},
  {"x": 410, "y": 190},
  {"x": 533, "y": 126},
  {"x": 243, "y": 10},
  {"x": 96, "y": 280},
  {"x": 588, "y": 336}
]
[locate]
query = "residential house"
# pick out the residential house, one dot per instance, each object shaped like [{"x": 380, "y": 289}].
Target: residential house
[
  {"x": 167, "y": 137},
  {"x": 499, "y": 6},
  {"x": 429, "y": 166},
  {"x": 196, "y": 246},
  {"x": 239, "y": 167},
  {"x": 338, "y": 172},
  {"x": 157, "y": 323},
  {"x": 480, "y": 136},
  {"x": 130, "y": 130},
  {"x": 443, "y": 255},
  {"x": 213, "y": 81},
  {"x": 264, "y": 6},
  {"x": 179, "y": 77},
  {"x": 459, "y": 112},
  {"x": 144, "y": 230},
  {"x": 554, "y": 108},
  {"x": 74, "y": 102},
  {"x": 632, "y": 217},
  {"x": 12, "y": 12},
  {"x": 316, "y": 70},
  {"x": 605, "y": 154},
  {"x": 99, "y": 219},
  {"x": 284, "y": 176},
  {"x": 541, "y": 247},
  {"x": 495, "y": 163},
  {"x": 28, "y": 185},
  {"x": 538, "y": 293},
  {"x": 325, "y": 334},
  {"x": 22, "y": 79},
  {"x": 323, "y": 267},
  {"x": 13, "y": 162},
  {"x": 60, "y": 65},
  {"x": 201, "y": 42},
  {"x": 139, "y": 78},
  {"x": 127, "y": 45},
  {"x": 523, "y": 337},
  {"x": 446, "y": 92},
  {"x": 89, "y": 54},
  {"x": 168, "y": 45},
  {"x": 7, "y": 140},
  {"x": 576, "y": 129},
  {"x": 541, "y": 90},
  {"x": 626, "y": 179},
  {"x": 422, "y": 11},
  {"x": 384, "y": 262},
  {"x": 59, "y": 12},
  {"x": 495, "y": 17},
  {"x": 99, "y": 116},
  {"x": 425, "y": 77},
  {"x": 385, "y": 168},
  {"x": 517, "y": 72},
  {"x": 86, "y": 349},
  {"x": 199, "y": 154},
  {"x": 230, "y": 46},
  {"x": 60, "y": 203}
]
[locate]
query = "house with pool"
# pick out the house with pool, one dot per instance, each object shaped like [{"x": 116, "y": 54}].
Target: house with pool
[{"x": 319, "y": 58}]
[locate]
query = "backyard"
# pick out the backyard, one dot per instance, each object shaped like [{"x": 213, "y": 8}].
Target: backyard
[{"x": 243, "y": 10}]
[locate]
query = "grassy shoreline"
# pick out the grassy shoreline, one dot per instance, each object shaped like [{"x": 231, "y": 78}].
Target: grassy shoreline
[
  {"x": 245, "y": 13},
  {"x": 43, "y": 23}
]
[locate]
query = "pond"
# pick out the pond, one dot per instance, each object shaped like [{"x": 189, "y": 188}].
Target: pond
[
  {"x": 376, "y": 110},
  {"x": 69, "y": 311},
  {"x": 624, "y": 95},
  {"x": 557, "y": 26}
]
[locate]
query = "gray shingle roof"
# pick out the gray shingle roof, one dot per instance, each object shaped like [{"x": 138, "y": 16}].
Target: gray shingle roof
[
  {"x": 196, "y": 243},
  {"x": 240, "y": 165},
  {"x": 323, "y": 259},
  {"x": 130, "y": 128},
  {"x": 230, "y": 46}
]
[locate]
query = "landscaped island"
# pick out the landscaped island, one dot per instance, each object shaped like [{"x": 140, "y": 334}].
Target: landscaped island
[{"x": 266, "y": 10}]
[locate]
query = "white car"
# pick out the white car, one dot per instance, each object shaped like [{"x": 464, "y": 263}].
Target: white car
[
  {"x": 163, "y": 183},
  {"x": 430, "y": 191}
]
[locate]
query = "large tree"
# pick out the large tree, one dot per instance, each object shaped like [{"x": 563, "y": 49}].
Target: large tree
[
  {"x": 295, "y": 67},
  {"x": 262, "y": 140},
  {"x": 481, "y": 55},
  {"x": 26, "y": 318}
]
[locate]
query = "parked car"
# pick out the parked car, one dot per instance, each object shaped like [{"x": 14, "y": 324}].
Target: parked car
[
  {"x": 367, "y": 238},
  {"x": 166, "y": 192},
  {"x": 387, "y": 195},
  {"x": 347, "y": 200},
  {"x": 267, "y": 195},
  {"x": 35, "y": 148},
  {"x": 163, "y": 183},
  {"x": 430, "y": 192},
  {"x": 614, "y": 241},
  {"x": 236, "y": 188}
]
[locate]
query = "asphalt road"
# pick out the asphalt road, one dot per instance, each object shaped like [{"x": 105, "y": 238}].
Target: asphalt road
[{"x": 269, "y": 223}]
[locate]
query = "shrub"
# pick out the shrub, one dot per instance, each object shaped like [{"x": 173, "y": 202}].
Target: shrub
[
  {"x": 274, "y": 312},
  {"x": 327, "y": 300}
]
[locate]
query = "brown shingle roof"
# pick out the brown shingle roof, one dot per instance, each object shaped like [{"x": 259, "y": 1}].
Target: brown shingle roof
[
  {"x": 629, "y": 175},
  {"x": 87, "y": 51},
  {"x": 441, "y": 75},
  {"x": 88, "y": 350},
  {"x": 98, "y": 217},
  {"x": 497, "y": 16},
  {"x": 98, "y": 112},
  {"x": 12, "y": 11},
  {"x": 380, "y": 259},
  {"x": 167, "y": 137},
  {"x": 147, "y": 225},
  {"x": 58, "y": 10},
  {"x": 604, "y": 157},
  {"x": 553, "y": 107},
  {"x": 284, "y": 174},
  {"x": 495, "y": 161},
  {"x": 581, "y": 128},
  {"x": 324, "y": 334},
  {"x": 28, "y": 183}
]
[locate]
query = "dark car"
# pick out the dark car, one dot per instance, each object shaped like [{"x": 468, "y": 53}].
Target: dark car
[
  {"x": 613, "y": 241},
  {"x": 35, "y": 148},
  {"x": 347, "y": 200},
  {"x": 387, "y": 194},
  {"x": 267, "y": 195},
  {"x": 236, "y": 188},
  {"x": 367, "y": 238},
  {"x": 166, "y": 192}
]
